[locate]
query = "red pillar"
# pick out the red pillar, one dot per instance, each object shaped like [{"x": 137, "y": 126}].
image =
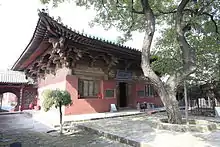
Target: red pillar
[{"x": 21, "y": 99}]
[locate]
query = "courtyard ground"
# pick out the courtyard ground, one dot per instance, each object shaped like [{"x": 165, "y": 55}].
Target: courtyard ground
[
  {"x": 136, "y": 131},
  {"x": 130, "y": 130},
  {"x": 22, "y": 128}
]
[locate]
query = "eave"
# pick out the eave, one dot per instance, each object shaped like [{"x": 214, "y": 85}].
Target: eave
[{"x": 48, "y": 27}]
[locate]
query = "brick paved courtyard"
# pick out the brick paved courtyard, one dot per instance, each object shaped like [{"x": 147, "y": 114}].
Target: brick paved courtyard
[
  {"x": 21, "y": 128},
  {"x": 138, "y": 131}
]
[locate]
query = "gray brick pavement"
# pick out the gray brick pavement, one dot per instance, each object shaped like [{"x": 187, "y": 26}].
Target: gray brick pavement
[
  {"x": 19, "y": 128},
  {"x": 137, "y": 129}
]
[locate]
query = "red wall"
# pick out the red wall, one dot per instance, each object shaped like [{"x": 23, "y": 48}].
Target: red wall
[
  {"x": 155, "y": 100},
  {"x": 92, "y": 105},
  {"x": 111, "y": 84},
  {"x": 89, "y": 105},
  {"x": 54, "y": 79},
  {"x": 57, "y": 81},
  {"x": 102, "y": 104}
]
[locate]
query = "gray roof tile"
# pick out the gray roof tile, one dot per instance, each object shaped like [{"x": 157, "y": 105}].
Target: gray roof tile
[{"x": 14, "y": 77}]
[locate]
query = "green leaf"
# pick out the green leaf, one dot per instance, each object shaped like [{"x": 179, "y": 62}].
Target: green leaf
[{"x": 55, "y": 97}]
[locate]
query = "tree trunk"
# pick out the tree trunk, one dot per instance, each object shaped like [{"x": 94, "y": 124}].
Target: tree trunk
[
  {"x": 186, "y": 102},
  {"x": 166, "y": 92},
  {"x": 1, "y": 99},
  {"x": 173, "y": 111},
  {"x": 168, "y": 97},
  {"x": 61, "y": 117}
]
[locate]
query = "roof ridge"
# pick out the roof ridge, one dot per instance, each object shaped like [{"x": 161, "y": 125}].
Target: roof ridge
[
  {"x": 10, "y": 71},
  {"x": 42, "y": 13},
  {"x": 10, "y": 76}
]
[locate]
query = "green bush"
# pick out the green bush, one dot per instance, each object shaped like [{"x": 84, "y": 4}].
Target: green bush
[{"x": 57, "y": 98}]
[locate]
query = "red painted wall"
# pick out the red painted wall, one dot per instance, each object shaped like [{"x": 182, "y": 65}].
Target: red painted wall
[
  {"x": 102, "y": 104},
  {"x": 89, "y": 105},
  {"x": 155, "y": 100},
  {"x": 51, "y": 79},
  {"x": 57, "y": 81},
  {"x": 92, "y": 105},
  {"x": 134, "y": 95},
  {"x": 110, "y": 84}
]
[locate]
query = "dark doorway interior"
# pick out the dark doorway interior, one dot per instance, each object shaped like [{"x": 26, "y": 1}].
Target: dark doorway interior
[{"x": 122, "y": 94}]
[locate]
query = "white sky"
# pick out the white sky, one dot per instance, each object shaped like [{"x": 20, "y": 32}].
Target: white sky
[{"x": 19, "y": 19}]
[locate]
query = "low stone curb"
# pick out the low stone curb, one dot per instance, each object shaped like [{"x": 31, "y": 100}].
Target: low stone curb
[
  {"x": 199, "y": 127},
  {"x": 9, "y": 113},
  {"x": 70, "y": 123},
  {"x": 163, "y": 110},
  {"x": 28, "y": 114},
  {"x": 114, "y": 137}
]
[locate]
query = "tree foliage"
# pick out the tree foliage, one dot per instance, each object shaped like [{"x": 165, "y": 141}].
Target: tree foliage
[
  {"x": 55, "y": 98},
  {"x": 168, "y": 54},
  {"x": 204, "y": 38},
  {"x": 125, "y": 15}
]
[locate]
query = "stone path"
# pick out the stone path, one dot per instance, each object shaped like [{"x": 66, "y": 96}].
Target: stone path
[
  {"x": 138, "y": 131},
  {"x": 20, "y": 128}
]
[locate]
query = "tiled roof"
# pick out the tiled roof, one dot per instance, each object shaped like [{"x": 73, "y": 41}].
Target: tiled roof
[
  {"x": 13, "y": 77},
  {"x": 65, "y": 30},
  {"x": 49, "y": 27}
]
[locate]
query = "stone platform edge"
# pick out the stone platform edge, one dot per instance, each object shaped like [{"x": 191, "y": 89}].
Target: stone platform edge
[
  {"x": 114, "y": 137},
  {"x": 10, "y": 113},
  {"x": 68, "y": 123}
]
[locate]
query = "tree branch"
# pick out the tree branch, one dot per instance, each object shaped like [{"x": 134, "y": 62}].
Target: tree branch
[
  {"x": 138, "y": 12},
  {"x": 165, "y": 12},
  {"x": 188, "y": 52},
  {"x": 212, "y": 19},
  {"x": 145, "y": 5},
  {"x": 149, "y": 33},
  {"x": 205, "y": 6},
  {"x": 105, "y": 7},
  {"x": 132, "y": 16},
  {"x": 133, "y": 10},
  {"x": 195, "y": 12},
  {"x": 182, "y": 6},
  {"x": 173, "y": 11},
  {"x": 186, "y": 28}
]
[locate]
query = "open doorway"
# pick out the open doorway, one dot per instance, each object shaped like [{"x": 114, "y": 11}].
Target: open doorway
[
  {"x": 8, "y": 101},
  {"x": 122, "y": 94}
]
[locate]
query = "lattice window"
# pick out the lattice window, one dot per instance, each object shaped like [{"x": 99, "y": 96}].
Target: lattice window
[
  {"x": 149, "y": 90},
  {"x": 88, "y": 88},
  {"x": 28, "y": 97}
]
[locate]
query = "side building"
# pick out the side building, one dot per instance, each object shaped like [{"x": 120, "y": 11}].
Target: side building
[
  {"x": 96, "y": 72},
  {"x": 21, "y": 90}
]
